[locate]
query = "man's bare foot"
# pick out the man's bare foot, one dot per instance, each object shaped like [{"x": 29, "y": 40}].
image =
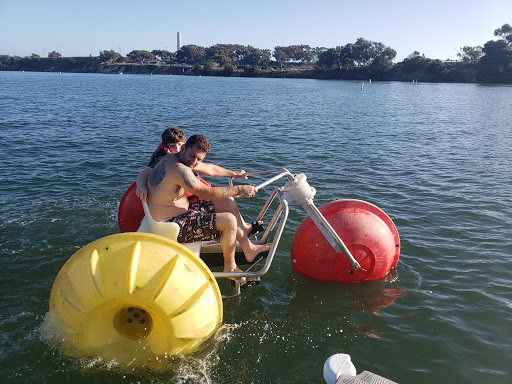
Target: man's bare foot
[
  {"x": 254, "y": 250},
  {"x": 243, "y": 280}
]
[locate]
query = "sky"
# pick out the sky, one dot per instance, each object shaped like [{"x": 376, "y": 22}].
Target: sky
[{"x": 436, "y": 28}]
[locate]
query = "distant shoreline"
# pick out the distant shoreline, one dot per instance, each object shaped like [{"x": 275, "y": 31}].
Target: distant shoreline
[{"x": 456, "y": 72}]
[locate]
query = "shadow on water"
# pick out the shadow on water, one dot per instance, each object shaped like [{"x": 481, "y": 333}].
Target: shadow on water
[{"x": 329, "y": 299}]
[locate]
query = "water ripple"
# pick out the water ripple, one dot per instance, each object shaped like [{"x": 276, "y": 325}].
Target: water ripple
[{"x": 434, "y": 157}]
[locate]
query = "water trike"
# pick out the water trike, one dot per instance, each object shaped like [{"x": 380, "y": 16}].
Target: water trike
[{"x": 138, "y": 296}]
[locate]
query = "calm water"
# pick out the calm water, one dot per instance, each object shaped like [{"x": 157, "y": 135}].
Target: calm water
[{"x": 435, "y": 157}]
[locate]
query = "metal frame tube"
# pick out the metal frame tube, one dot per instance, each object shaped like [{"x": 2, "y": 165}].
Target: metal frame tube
[
  {"x": 256, "y": 275},
  {"x": 271, "y": 224},
  {"x": 283, "y": 210},
  {"x": 267, "y": 204},
  {"x": 284, "y": 172},
  {"x": 328, "y": 232}
]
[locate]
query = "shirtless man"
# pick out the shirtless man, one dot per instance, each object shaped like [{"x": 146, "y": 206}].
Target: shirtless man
[
  {"x": 216, "y": 216},
  {"x": 172, "y": 140}
]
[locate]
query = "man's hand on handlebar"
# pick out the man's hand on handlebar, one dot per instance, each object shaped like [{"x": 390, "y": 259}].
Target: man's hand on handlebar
[
  {"x": 247, "y": 190},
  {"x": 240, "y": 174}
]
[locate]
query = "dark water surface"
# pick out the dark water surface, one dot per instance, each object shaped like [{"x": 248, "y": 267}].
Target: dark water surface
[{"x": 436, "y": 158}]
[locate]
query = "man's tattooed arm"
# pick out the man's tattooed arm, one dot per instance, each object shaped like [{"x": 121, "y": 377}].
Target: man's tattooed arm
[
  {"x": 227, "y": 190},
  {"x": 187, "y": 175}
]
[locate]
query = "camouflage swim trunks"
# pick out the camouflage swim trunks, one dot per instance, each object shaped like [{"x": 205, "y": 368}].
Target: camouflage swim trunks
[{"x": 198, "y": 223}]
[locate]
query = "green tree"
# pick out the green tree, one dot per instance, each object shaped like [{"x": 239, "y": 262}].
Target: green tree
[
  {"x": 35, "y": 56},
  {"x": 281, "y": 55},
  {"x": 467, "y": 53},
  {"x": 218, "y": 53},
  {"x": 5, "y": 60},
  {"x": 384, "y": 61},
  {"x": 191, "y": 54},
  {"x": 228, "y": 69},
  {"x": 330, "y": 58},
  {"x": 109, "y": 56},
  {"x": 54, "y": 54},
  {"x": 362, "y": 54},
  {"x": 434, "y": 66},
  {"x": 140, "y": 56},
  {"x": 208, "y": 67},
  {"x": 308, "y": 54},
  {"x": 165, "y": 56},
  {"x": 235, "y": 52},
  {"x": 296, "y": 52},
  {"x": 254, "y": 56},
  {"x": 496, "y": 64},
  {"x": 251, "y": 70},
  {"x": 222, "y": 59},
  {"x": 367, "y": 53},
  {"x": 223, "y": 54},
  {"x": 505, "y": 32},
  {"x": 415, "y": 62},
  {"x": 381, "y": 57}
]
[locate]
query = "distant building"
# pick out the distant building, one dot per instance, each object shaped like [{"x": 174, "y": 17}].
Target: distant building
[{"x": 179, "y": 41}]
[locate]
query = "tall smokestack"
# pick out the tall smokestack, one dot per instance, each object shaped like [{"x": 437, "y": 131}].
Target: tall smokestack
[{"x": 179, "y": 41}]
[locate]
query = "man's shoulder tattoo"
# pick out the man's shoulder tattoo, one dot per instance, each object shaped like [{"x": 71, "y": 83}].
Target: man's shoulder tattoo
[
  {"x": 187, "y": 175},
  {"x": 157, "y": 175}
]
